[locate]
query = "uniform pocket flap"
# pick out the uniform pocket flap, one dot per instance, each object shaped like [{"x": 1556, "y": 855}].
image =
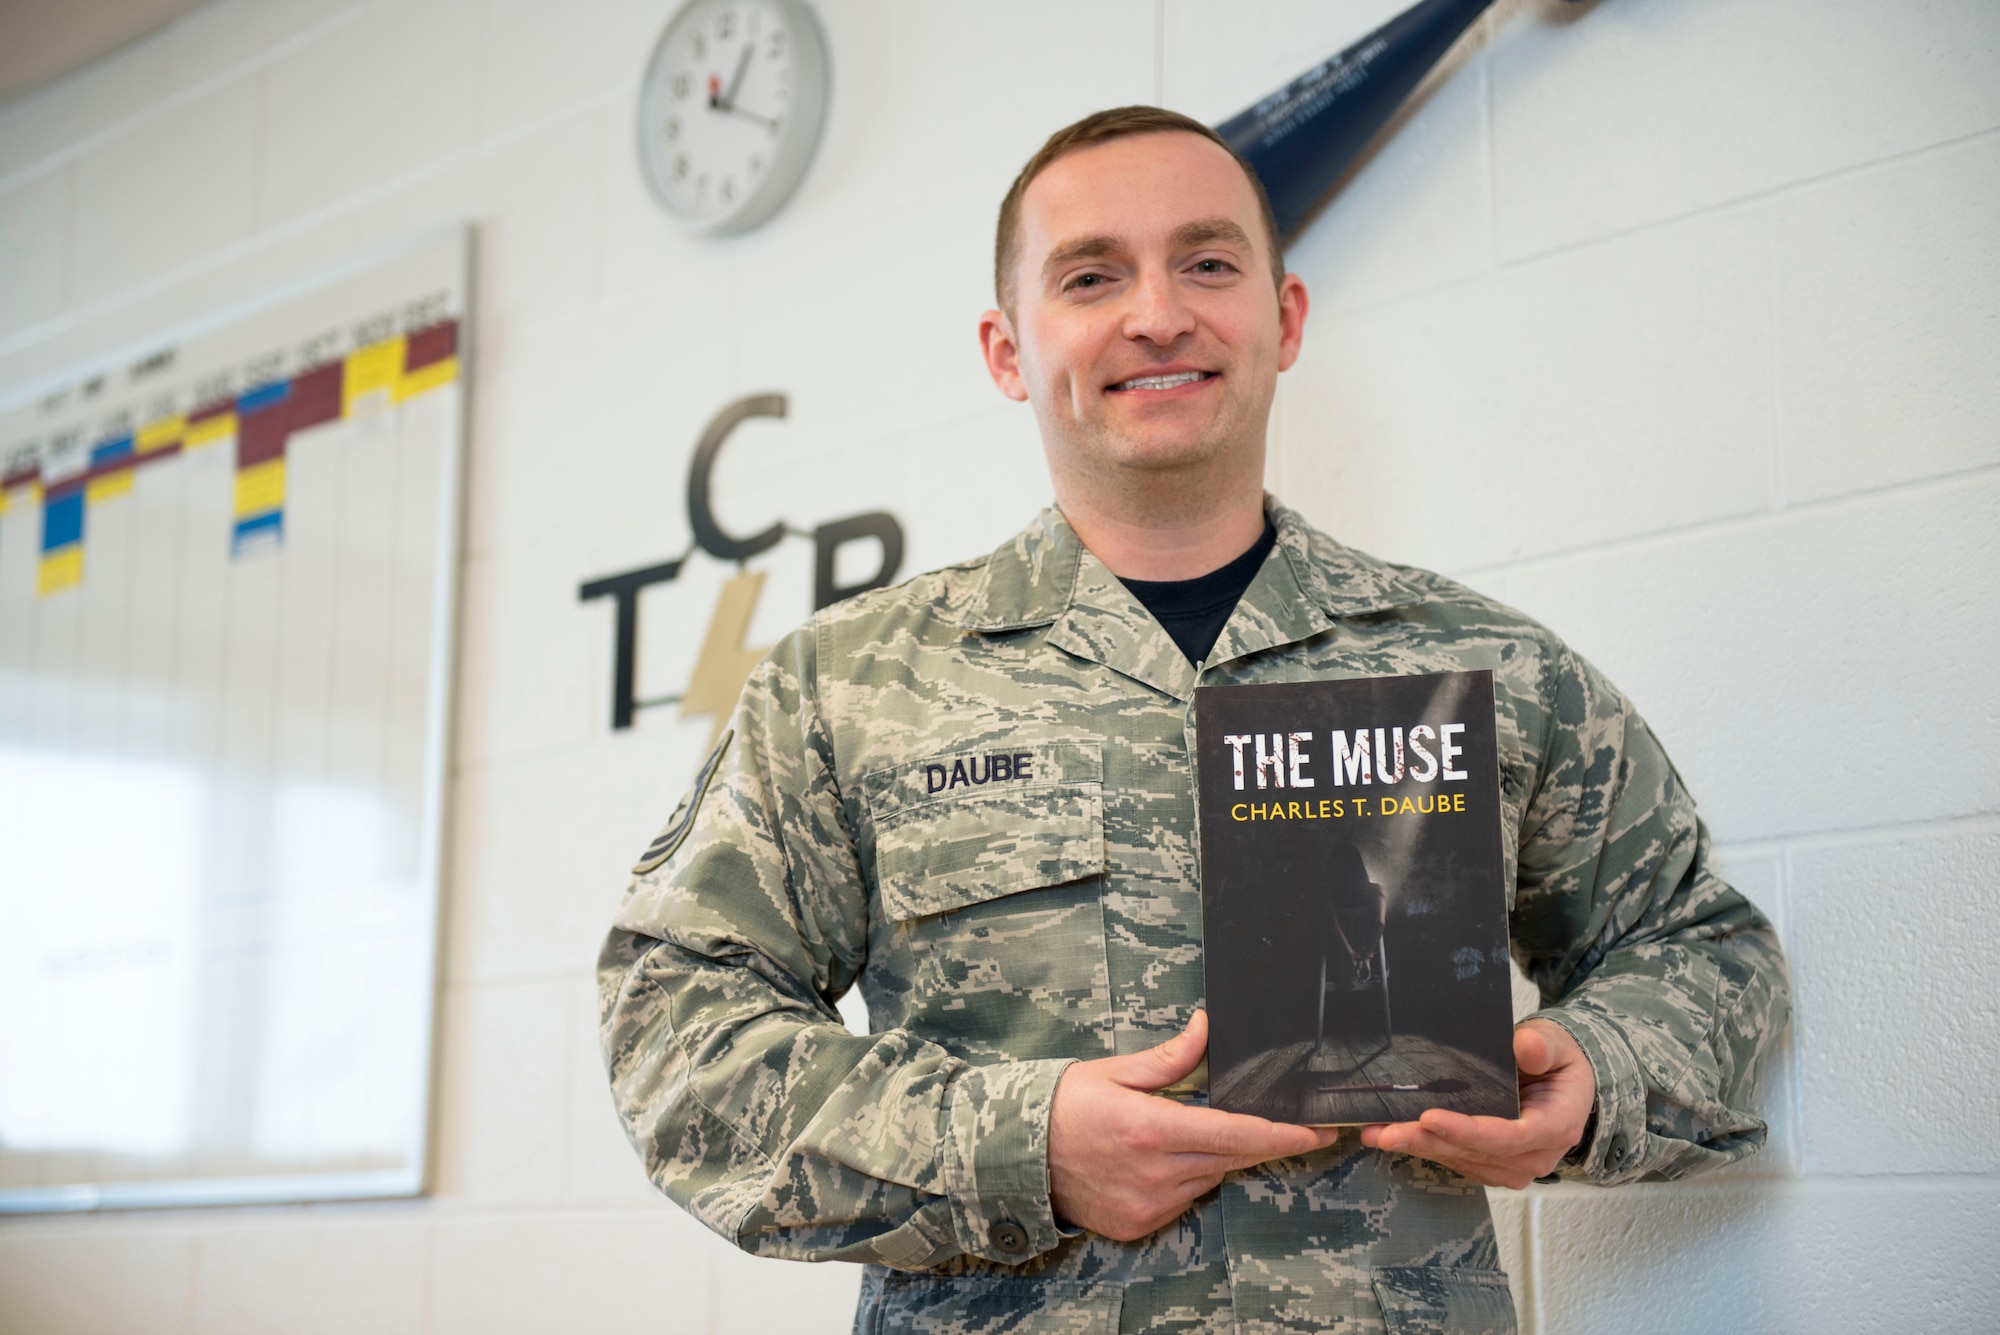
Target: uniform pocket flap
[
  {"x": 989, "y": 1305},
  {"x": 1444, "y": 1300},
  {"x": 940, "y": 847}
]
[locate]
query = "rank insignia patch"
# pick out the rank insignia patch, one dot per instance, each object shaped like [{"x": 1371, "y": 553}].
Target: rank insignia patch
[{"x": 678, "y": 824}]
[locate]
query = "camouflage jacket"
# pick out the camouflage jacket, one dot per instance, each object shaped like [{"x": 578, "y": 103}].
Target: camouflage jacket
[{"x": 1048, "y": 908}]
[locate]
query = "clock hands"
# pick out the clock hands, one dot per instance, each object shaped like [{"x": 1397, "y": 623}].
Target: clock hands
[
  {"x": 723, "y": 100},
  {"x": 736, "y": 79},
  {"x": 768, "y": 122}
]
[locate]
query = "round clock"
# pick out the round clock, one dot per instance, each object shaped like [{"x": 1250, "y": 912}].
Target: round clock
[{"x": 730, "y": 110}]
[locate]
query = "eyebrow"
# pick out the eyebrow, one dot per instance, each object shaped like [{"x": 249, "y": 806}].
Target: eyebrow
[
  {"x": 1080, "y": 248},
  {"x": 1204, "y": 230},
  {"x": 1198, "y": 232}
]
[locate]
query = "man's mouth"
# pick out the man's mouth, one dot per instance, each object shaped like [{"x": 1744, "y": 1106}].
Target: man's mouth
[{"x": 1149, "y": 382}]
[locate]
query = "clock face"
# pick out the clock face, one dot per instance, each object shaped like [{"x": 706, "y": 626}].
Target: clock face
[{"x": 731, "y": 108}]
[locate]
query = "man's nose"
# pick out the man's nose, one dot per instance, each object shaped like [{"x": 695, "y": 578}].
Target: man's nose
[{"x": 1158, "y": 311}]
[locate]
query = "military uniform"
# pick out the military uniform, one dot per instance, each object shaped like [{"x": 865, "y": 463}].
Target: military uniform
[{"x": 972, "y": 795}]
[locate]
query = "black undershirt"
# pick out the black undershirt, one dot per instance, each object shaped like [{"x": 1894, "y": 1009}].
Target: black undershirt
[{"x": 1194, "y": 611}]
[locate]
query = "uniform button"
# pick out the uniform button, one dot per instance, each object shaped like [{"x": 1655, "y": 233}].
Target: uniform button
[
  {"x": 1010, "y": 1237},
  {"x": 1617, "y": 1155}
]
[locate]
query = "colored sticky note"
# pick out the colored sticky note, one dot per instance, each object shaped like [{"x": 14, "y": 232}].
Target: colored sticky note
[
  {"x": 111, "y": 484},
  {"x": 260, "y": 488},
  {"x": 156, "y": 436},
  {"x": 60, "y": 569},
  {"x": 259, "y": 530},
  {"x": 21, "y": 493},
  {"x": 372, "y": 372},
  {"x": 427, "y": 377},
  {"x": 62, "y": 521},
  {"x": 207, "y": 430}
]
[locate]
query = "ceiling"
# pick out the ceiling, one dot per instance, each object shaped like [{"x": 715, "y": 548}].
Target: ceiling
[{"x": 42, "y": 40}]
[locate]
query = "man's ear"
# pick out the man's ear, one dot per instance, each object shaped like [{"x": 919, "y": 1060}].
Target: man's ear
[
  {"x": 1292, "y": 305},
  {"x": 1002, "y": 353}
]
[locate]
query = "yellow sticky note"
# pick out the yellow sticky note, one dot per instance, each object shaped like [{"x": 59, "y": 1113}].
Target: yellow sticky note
[
  {"x": 427, "y": 377},
  {"x": 31, "y": 494},
  {"x": 370, "y": 377},
  {"x": 260, "y": 488},
  {"x": 209, "y": 430},
  {"x": 156, "y": 436},
  {"x": 104, "y": 488},
  {"x": 60, "y": 569}
]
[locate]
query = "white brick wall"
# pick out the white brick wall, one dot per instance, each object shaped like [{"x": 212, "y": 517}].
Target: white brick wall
[{"x": 1677, "y": 322}]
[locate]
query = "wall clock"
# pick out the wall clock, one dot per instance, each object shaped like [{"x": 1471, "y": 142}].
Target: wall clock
[{"x": 731, "y": 109}]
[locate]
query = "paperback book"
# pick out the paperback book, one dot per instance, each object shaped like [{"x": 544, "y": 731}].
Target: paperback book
[{"x": 1353, "y": 899}]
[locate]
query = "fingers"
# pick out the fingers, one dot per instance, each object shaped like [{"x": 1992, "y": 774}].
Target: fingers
[
  {"x": 1489, "y": 1137},
  {"x": 1236, "y": 1136},
  {"x": 1427, "y": 1142},
  {"x": 1187, "y": 1142},
  {"x": 1515, "y": 1171},
  {"x": 1503, "y": 1153},
  {"x": 1123, "y": 1163},
  {"x": 1557, "y": 1090}
]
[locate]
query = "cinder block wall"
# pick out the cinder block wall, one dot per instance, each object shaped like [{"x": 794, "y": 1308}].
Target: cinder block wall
[{"x": 1675, "y": 322}]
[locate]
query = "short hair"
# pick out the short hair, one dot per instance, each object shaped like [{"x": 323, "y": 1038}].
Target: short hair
[{"x": 1102, "y": 127}]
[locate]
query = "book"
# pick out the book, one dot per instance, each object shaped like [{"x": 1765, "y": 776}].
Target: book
[{"x": 1354, "y": 903}]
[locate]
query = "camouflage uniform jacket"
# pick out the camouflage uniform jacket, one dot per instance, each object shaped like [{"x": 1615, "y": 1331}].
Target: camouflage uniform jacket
[{"x": 971, "y": 795}]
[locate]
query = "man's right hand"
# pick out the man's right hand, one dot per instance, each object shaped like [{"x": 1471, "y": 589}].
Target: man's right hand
[{"x": 1123, "y": 1162}]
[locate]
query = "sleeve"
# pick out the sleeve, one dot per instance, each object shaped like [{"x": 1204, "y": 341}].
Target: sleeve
[
  {"x": 1672, "y": 982},
  {"x": 750, "y": 1103}
]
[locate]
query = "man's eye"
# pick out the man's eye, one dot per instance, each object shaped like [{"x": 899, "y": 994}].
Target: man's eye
[
  {"x": 1214, "y": 267},
  {"x": 1087, "y": 280}
]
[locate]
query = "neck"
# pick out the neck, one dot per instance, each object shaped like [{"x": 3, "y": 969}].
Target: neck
[{"x": 1168, "y": 542}]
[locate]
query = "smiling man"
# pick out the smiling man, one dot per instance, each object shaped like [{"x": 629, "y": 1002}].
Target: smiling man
[{"x": 972, "y": 796}]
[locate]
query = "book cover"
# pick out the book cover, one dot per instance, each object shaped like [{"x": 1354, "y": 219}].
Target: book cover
[{"x": 1353, "y": 899}]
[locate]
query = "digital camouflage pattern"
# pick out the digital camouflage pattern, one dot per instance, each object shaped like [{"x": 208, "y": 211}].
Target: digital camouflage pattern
[{"x": 971, "y": 796}]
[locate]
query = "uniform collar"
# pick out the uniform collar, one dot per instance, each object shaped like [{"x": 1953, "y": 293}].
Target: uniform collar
[{"x": 1044, "y": 576}]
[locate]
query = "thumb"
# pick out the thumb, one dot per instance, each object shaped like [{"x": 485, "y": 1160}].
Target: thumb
[
  {"x": 1171, "y": 1061},
  {"x": 1533, "y": 1052}
]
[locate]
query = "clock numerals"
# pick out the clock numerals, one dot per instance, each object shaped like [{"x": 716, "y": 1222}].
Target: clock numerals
[{"x": 733, "y": 99}]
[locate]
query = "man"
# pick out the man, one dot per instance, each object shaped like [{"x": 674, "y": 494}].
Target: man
[{"x": 972, "y": 796}]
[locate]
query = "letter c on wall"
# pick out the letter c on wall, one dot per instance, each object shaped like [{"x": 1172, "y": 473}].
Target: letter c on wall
[{"x": 701, "y": 518}]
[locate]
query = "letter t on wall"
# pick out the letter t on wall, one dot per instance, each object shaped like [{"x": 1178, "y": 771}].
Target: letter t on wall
[{"x": 625, "y": 589}]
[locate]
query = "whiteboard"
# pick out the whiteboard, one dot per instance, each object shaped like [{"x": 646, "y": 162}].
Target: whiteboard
[{"x": 227, "y": 576}]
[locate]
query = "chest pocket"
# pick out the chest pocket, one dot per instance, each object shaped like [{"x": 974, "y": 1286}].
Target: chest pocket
[{"x": 991, "y": 881}]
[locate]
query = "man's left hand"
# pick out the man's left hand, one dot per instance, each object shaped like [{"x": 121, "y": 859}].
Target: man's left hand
[{"x": 1558, "y": 1086}]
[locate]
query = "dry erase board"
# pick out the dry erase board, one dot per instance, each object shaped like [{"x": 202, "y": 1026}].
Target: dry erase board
[{"x": 227, "y": 571}]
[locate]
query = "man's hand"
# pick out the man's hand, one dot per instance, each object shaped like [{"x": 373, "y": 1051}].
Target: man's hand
[
  {"x": 1123, "y": 1162},
  {"x": 1558, "y": 1086}
]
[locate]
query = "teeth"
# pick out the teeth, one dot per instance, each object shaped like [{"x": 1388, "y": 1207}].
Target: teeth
[{"x": 1165, "y": 381}]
